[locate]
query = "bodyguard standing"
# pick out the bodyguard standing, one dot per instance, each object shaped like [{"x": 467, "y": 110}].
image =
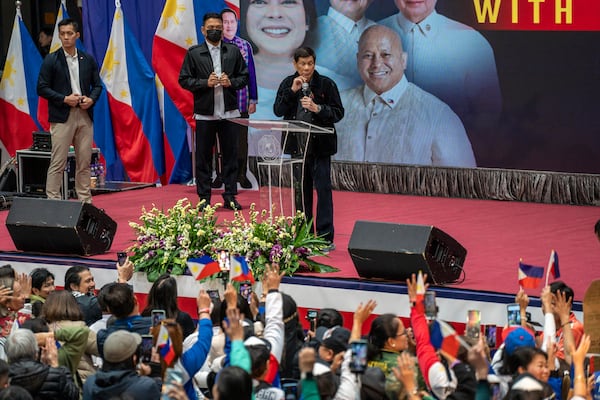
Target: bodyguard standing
[
  {"x": 69, "y": 80},
  {"x": 213, "y": 71}
]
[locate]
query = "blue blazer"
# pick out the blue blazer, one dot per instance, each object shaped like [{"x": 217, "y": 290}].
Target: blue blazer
[{"x": 54, "y": 83}]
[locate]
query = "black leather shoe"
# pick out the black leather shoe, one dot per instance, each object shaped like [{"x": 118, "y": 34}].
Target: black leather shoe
[
  {"x": 217, "y": 183},
  {"x": 205, "y": 204},
  {"x": 245, "y": 183},
  {"x": 232, "y": 204}
]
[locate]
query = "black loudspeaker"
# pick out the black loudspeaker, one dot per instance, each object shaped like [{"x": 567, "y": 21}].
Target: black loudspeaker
[
  {"x": 59, "y": 226},
  {"x": 395, "y": 251}
]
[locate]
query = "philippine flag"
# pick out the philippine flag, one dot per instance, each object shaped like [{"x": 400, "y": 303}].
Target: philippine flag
[
  {"x": 240, "y": 271},
  {"x": 203, "y": 267},
  {"x": 176, "y": 32},
  {"x": 163, "y": 344},
  {"x": 530, "y": 276},
  {"x": 178, "y": 162},
  {"x": 133, "y": 102},
  {"x": 445, "y": 338},
  {"x": 553, "y": 266},
  {"x": 18, "y": 97}
]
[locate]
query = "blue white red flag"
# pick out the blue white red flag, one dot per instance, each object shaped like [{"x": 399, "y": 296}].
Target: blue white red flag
[
  {"x": 18, "y": 95},
  {"x": 163, "y": 344},
  {"x": 552, "y": 266},
  {"x": 444, "y": 337},
  {"x": 203, "y": 267},
  {"x": 239, "y": 270},
  {"x": 530, "y": 276},
  {"x": 133, "y": 102}
]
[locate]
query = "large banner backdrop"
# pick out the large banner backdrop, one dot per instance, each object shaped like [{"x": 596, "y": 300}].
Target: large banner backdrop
[{"x": 487, "y": 83}]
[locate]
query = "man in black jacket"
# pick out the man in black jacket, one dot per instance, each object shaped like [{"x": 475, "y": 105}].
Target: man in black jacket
[
  {"x": 69, "y": 80},
  {"x": 42, "y": 381},
  {"x": 320, "y": 105},
  {"x": 213, "y": 71}
]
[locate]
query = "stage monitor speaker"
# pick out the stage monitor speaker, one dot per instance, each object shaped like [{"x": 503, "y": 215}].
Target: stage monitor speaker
[
  {"x": 395, "y": 251},
  {"x": 59, "y": 226}
]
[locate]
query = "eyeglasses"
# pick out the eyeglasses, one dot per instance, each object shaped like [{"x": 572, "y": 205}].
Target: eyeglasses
[{"x": 402, "y": 334}]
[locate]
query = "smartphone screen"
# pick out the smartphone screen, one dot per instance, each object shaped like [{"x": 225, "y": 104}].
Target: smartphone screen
[
  {"x": 121, "y": 257},
  {"x": 490, "y": 336},
  {"x": 290, "y": 389},
  {"x": 146, "y": 349},
  {"x": 513, "y": 314},
  {"x": 311, "y": 317},
  {"x": 214, "y": 294},
  {"x": 246, "y": 291},
  {"x": 473, "y": 324},
  {"x": 157, "y": 316},
  {"x": 171, "y": 376},
  {"x": 358, "y": 362},
  {"x": 430, "y": 306}
]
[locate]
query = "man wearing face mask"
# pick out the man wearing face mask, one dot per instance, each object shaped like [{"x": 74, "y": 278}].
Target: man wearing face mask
[{"x": 213, "y": 71}]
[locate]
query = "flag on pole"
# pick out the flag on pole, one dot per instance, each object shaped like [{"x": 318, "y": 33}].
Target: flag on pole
[
  {"x": 530, "y": 276},
  {"x": 552, "y": 266},
  {"x": 240, "y": 271},
  {"x": 18, "y": 96},
  {"x": 203, "y": 267},
  {"x": 163, "y": 344},
  {"x": 178, "y": 162},
  {"x": 133, "y": 103},
  {"x": 420, "y": 287},
  {"x": 175, "y": 33}
]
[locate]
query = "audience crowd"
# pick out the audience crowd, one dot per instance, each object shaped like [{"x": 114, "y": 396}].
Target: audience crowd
[{"x": 74, "y": 344}]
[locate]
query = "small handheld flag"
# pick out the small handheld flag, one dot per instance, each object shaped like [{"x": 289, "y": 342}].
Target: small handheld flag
[
  {"x": 203, "y": 267},
  {"x": 552, "y": 266},
  {"x": 240, "y": 271},
  {"x": 530, "y": 276}
]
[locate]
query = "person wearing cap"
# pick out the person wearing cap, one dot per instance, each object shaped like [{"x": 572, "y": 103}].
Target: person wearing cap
[
  {"x": 118, "y": 375},
  {"x": 335, "y": 341}
]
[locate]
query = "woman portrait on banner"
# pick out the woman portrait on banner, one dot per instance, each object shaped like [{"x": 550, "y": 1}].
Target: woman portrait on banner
[{"x": 276, "y": 28}]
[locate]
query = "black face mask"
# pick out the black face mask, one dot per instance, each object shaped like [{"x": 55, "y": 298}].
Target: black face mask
[{"x": 214, "y": 35}]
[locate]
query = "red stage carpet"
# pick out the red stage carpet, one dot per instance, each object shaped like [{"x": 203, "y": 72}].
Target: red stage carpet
[{"x": 496, "y": 234}]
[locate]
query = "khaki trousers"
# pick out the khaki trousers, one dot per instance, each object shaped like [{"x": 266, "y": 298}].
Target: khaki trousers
[{"x": 78, "y": 131}]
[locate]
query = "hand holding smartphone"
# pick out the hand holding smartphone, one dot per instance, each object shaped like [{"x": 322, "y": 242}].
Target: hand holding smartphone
[
  {"x": 473, "y": 324},
  {"x": 513, "y": 314},
  {"x": 157, "y": 317},
  {"x": 121, "y": 257},
  {"x": 430, "y": 304},
  {"x": 358, "y": 361},
  {"x": 146, "y": 349},
  {"x": 311, "y": 317}
]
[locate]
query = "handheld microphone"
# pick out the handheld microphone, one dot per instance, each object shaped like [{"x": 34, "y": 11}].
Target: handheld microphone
[{"x": 305, "y": 91}]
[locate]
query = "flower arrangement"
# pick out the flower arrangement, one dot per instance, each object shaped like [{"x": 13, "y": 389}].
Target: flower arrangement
[{"x": 165, "y": 240}]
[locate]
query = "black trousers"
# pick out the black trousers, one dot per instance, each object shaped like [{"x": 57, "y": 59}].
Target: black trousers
[
  {"x": 317, "y": 176},
  {"x": 206, "y": 133}
]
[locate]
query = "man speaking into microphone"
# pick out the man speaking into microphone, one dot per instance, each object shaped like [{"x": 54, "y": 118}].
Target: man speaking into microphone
[{"x": 310, "y": 97}]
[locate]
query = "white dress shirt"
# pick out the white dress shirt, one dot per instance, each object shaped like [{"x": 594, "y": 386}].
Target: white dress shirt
[
  {"x": 453, "y": 62},
  {"x": 73, "y": 65},
  {"x": 219, "y": 109},
  {"x": 404, "y": 125}
]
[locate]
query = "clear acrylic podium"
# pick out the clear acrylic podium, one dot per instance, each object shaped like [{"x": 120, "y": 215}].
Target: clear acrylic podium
[{"x": 281, "y": 153}]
